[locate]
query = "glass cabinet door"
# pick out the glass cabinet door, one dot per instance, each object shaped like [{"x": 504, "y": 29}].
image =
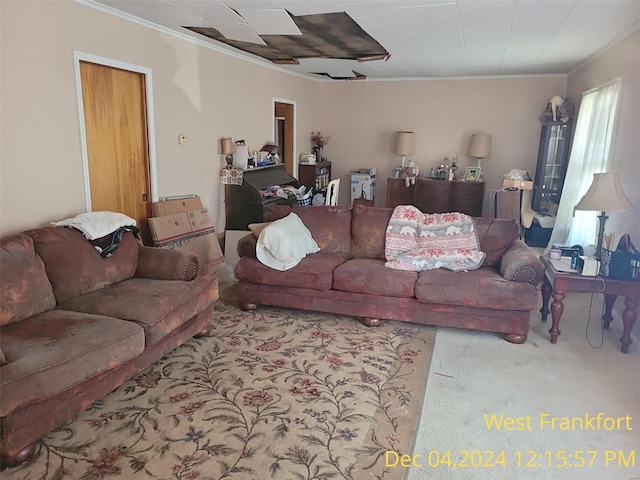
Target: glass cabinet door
[{"x": 553, "y": 156}]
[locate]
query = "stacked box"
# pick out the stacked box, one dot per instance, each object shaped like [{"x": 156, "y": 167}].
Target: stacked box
[
  {"x": 519, "y": 184},
  {"x": 363, "y": 183},
  {"x": 188, "y": 228},
  {"x": 178, "y": 205}
]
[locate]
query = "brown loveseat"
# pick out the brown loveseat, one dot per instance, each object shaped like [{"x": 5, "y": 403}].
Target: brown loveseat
[
  {"x": 74, "y": 326},
  {"x": 348, "y": 276}
]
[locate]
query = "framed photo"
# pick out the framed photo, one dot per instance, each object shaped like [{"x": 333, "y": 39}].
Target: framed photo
[{"x": 472, "y": 174}]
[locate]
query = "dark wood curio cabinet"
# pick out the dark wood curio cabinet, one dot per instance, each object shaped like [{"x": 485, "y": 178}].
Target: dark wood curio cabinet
[{"x": 553, "y": 158}]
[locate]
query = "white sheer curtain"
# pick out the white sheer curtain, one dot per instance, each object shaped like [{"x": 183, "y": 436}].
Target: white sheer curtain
[{"x": 589, "y": 155}]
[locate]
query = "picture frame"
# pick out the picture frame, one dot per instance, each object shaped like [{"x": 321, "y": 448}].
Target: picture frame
[{"x": 472, "y": 174}]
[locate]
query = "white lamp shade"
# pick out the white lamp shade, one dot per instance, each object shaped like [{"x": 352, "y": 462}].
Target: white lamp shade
[
  {"x": 605, "y": 195},
  {"x": 480, "y": 145},
  {"x": 405, "y": 143}
]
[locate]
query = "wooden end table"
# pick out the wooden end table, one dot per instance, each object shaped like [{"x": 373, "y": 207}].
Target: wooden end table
[{"x": 557, "y": 283}]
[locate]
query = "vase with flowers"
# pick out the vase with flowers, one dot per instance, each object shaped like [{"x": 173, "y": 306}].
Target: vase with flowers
[{"x": 318, "y": 141}]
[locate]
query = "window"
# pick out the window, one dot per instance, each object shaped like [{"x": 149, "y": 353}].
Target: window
[{"x": 589, "y": 155}]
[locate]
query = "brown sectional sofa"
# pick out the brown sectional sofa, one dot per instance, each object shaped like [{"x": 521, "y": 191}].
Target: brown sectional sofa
[
  {"x": 74, "y": 326},
  {"x": 348, "y": 276}
]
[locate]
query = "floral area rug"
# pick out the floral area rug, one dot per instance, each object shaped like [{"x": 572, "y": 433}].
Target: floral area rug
[{"x": 272, "y": 394}]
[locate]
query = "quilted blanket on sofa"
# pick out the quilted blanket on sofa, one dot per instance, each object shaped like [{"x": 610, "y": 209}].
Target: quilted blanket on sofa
[{"x": 419, "y": 241}]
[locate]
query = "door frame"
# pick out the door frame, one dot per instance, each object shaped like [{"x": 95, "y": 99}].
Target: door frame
[
  {"x": 275, "y": 100},
  {"x": 79, "y": 56}
]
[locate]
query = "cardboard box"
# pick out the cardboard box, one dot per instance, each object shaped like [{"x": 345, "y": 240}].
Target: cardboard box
[
  {"x": 363, "y": 183},
  {"x": 190, "y": 232},
  {"x": 200, "y": 220},
  {"x": 172, "y": 207},
  {"x": 164, "y": 229},
  {"x": 520, "y": 184}
]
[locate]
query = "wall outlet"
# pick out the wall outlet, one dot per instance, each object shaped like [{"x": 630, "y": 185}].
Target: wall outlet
[{"x": 183, "y": 139}]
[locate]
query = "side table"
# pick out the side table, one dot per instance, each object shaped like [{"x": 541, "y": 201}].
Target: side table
[{"x": 557, "y": 283}]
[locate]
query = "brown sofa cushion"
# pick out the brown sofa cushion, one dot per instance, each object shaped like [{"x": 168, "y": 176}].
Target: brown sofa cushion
[
  {"x": 55, "y": 350},
  {"x": 368, "y": 275},
  {"x": 330, "y": 227},
  {"x": 75, "y": 267},
  {"x": 274, "y": 212},
  {"x": 496, "y": 236},
  {"x": 484, "y": 288},
  {"x": 24, "y": 287},
  {"x": 314, "y": 271},
  {"x": 159, "y": 306},
  {"x": 368, "y": 231}
]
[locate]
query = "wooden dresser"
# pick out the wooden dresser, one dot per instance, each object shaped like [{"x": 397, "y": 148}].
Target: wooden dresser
[{"x": 437, "y": 196}]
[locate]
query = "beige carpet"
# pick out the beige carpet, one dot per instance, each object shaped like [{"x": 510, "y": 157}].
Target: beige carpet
[
  {"x": 478, "y": 374},
  {"x": 273, "y": 393}
]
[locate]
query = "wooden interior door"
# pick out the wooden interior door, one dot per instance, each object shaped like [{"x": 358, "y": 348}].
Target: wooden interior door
[
  {"x": 285, "y": 110},
  {"x": 115, "y": 119}
]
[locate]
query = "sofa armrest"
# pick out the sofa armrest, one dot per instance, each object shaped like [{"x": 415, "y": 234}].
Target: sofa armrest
[
  {"x": 247, "y": 246},
  {"x": 520, "y": 264},
  {"x": 164, "y": 264}
]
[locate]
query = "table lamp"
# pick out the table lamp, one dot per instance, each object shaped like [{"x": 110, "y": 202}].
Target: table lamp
[
  {"x": 227, "y": 150},
  {"x": 405, "y": 145},
  {"x": 604, "y": 194},
  {"x": 480, "y": 147}
]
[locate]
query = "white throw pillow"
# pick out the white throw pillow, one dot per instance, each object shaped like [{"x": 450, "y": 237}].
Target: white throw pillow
[{"x": 284, "y": 242}]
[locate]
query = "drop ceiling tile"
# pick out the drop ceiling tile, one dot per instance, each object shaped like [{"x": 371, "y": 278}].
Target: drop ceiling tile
[
  {"x": 371, "y": 24},
  {"x": 216, "y": 13},
  {"x": 240, "y": 31},
  {"x": 623, "y": 24},
  {"x": 372, "y": 9},
  {"x": 335, "y": 68},
  {"x": 485, "y": 32},
  {"x": 308, "y": 7},
  {"x": 585, "y": 21},
  {"x": 251, "y": 4},
  {"x": 422, "y": 3},
  {"x": 270, "y": 22},
  {"x": 426, "y": 37},
  {"x": 533, "y": 28}
]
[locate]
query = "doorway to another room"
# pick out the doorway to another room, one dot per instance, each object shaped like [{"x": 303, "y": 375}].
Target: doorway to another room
[{"x": 284, "y": 133}]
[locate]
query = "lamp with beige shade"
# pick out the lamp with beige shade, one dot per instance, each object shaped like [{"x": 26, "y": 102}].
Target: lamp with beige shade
[
  {"x": 405, "y": 145},
  {"x": 604, "y": 195},
  {"x": 480, "y": 147},
  {"x": 227, "y": 148}
]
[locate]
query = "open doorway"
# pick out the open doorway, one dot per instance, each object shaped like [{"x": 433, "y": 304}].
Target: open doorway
[{"x": 284, "y": 132}]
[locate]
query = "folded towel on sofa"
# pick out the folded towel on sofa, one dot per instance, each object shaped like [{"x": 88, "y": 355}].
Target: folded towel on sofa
[
  {"x": 284, "y": 243},
  {"x": 95, "y": 225},
  {"x": 419, "y": 241}
]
